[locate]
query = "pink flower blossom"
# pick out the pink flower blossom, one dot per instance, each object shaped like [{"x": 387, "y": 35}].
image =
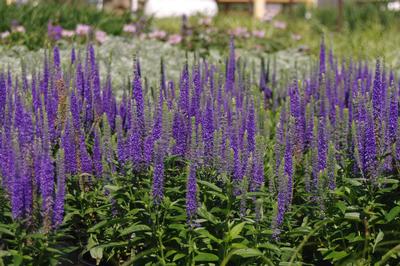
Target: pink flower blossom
[
  {"x": 4, "y": 35},
  {"x": 129, "y": 28},
  {"x": 279, "y": 24},
  {"x": 82, "y": 29},
  {"x": 174, "y": 39},
  {"x": 259, "y": 33},
  {"x": 67, "y": 33},
  {"x": 100, "y": 36},
  {"x": 157, "y": 34}
]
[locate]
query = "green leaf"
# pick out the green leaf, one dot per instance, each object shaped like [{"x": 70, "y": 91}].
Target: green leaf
[
  {"x": 206, "y": 257},
  {"x": 135, "y": 228},
  {"x": 217, "y": 194},
  {"x": 178, "y": 227},
  {"x": 17, "y": 259},
  {"x": 170, "y": 253},
  {"x": 4, "y": 253},
  {"x": 336, "y": 255},
  {"x": 300, "y": 231},
  {"x": 256, "y": 194},
  {"x": 98, "y": 226},
  {"x": 207, "y": 215},
  {"x": 390, "y": 181},
  {"x": 114, "y": 244},
  {"x": 6, "y": 231},
  {"x": 205, "y": 233},
  {"x": 245, "y": 253},
  {"x": 393, "y": 213},
  {"x": 354, "y": 182},
  {"x": 378, "y": 239},
  {"x": 341, "y": 206},
  {"x": 97, "y": 254},
  {"x": 112, "y": 187},
  {"x": 55, "y": 251},
  {"x": 235, "y": 231},
  {"x": 178, "y": 256},
  {"x": 354, "y": 216},
  {"x": 210, "y": 185},
  {"x": 248, "y": 252}
]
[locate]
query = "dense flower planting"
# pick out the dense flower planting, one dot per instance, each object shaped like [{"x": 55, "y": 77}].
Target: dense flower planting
[{"x": 189, "y": 164}]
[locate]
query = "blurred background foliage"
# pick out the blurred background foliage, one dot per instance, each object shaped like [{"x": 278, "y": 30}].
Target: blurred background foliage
[{"x": 363, "y": 30}]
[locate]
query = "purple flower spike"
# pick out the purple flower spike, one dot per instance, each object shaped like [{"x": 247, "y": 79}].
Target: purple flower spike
[
  {"x": 191, "y": 194},
  {"x": 251, "y": 129},
  {"x": 97, "y": 156},
  {"x": 208, "y": 133},
  {"x": 58, "y": 210},
  {"x": 370, "y": 149},
  {"x": 68, "y": 144},
  {"x": 158, "y": 175}
]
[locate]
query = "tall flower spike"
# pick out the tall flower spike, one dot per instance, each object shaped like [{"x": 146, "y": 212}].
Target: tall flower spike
[
  {"x": 195, "y": 104},
  {"x": 58, "y": 211},
  {"x": 158, "y": 175},
  {"x": 138, "y": 97},
  {"x": 376, "y": 94},
  {"x": 393, "y": 117},
  {"x": 73, "y": 55},
  {"x": 208, "y": 133},
  {"x": 46, "y": 173},
  {"x": 322, "y": 144},
  {"x": 179, "y": 134},
  {"x": 370, "y": 149},
  {"x": 281, "y": 204},
  {"x": 288, "y": 164},
  {"x": 85, "y": 160},
  {"x": 15, "y": 160},
  {"x": 121, "y": 148},
  {"x": 251, "y": 128},
  {"x": 331, "y": 168},
  {"x": 97, "y": 154},
  {"x": 191, "y": 194},
  {"x": 184, "y": 90},
  {"x": 257, "y": 179},
  {"x": 68, "y": 144},
  {"x": 57, "y": 61}
]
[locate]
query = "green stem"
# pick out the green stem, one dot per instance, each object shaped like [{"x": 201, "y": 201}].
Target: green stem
[
  {"x": 366, "y": 230},
  {"x": 191, "y": 251},
  {"x": 161, "y": 249},
  {"x": 159, "y": 239}
]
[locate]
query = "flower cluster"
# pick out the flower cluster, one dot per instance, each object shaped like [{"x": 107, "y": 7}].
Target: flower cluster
[
  {"x": 68, "y": 121},
  {"x": 342, "y": 113}
]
